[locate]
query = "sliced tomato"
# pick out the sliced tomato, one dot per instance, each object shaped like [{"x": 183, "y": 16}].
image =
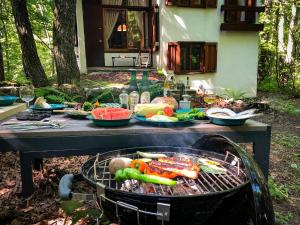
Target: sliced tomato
[
  {"x": 150, "y": 115},
  {"x": 168, "y": 111}
]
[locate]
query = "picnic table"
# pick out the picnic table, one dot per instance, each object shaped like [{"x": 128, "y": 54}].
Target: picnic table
[{"x": 81, "y": 137}]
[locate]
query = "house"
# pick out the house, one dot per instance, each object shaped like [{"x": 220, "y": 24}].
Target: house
[{"x": 213, "y": 42}]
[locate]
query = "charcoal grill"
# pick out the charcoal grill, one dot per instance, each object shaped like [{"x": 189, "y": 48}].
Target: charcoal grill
[{"x": 239, "y": 196}]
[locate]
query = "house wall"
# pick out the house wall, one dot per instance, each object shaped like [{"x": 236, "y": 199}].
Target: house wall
[
  {"x": 80, "y": 50},
  {"x": 237, "y": 51}
]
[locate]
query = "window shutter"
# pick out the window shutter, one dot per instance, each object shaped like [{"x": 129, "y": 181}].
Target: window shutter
[
  {"x": 170, "y": 2},
  {"x": 211, "y": 3},
  {"x": 174, "y": 57},
  {"x": 210, "y": 58},
  {"x": 155, "y": 29}
]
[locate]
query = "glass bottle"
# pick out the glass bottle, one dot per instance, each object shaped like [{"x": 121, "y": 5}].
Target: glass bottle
[
  {"x": 124, "y": 99},
  {"x": 187, "y": 86},
  {"x": 133, "y": 100},
  {"x": 169, "y": 84},
  {"x": 145, "y": 94},
  {"x": 133, "y": 82}
]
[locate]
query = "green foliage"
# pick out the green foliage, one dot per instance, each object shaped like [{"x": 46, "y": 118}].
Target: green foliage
[
  {"x": 75, "y": 210},
  {"x": 287, "y": 140},
  {"x": 156, "y": 90},
  {"x": 285, "y": 105},
  {"x": 53, "y": 95},
  {"x": 235, "y": 94},
  {"x": 276, "y": 72},
  {"x": 283, "y": 218},
  {"x": 41, "y": 18},
  {"x": 277, "y": 191}
]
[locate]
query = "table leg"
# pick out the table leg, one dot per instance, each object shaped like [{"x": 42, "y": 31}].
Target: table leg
[
  {"x": 261, "y": 148},
  {"x": 26, "y": 175},
  {"x": 133, "y": 61},
  {"x": 38, "y": 164},
  {"x": 113, "y": 61}
]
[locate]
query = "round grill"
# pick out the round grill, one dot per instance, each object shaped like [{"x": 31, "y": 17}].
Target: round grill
[{"x": 95, "y": 170}]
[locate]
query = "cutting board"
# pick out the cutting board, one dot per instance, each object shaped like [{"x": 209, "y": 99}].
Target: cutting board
[{"x": 7, "y": 111}]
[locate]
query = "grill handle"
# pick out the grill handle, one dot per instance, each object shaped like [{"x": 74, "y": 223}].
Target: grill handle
[{"x": 65, "y": 185}]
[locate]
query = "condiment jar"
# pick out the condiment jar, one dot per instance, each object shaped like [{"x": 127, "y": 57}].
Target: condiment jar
[{"x": 133, "y": 100}]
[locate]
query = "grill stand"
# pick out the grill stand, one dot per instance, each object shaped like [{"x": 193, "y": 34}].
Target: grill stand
[{"x": 163, "y": 209}]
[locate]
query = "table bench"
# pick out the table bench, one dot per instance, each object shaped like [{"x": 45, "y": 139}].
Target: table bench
[
  {"x": 123, "y": 57},
  {"x": 81, "y": 137}
]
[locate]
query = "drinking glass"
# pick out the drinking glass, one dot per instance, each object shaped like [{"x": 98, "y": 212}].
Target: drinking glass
[
  {"x": 209, "y": 96},
  {"x": 27, "y": 94}
]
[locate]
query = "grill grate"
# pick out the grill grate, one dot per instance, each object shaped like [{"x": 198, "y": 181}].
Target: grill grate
[{"x": 204, "y": 184}]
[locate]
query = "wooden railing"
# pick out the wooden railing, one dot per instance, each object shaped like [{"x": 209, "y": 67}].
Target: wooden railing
[{"x": 241, "y": 18}]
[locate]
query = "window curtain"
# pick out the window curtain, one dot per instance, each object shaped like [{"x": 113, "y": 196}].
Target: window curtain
[
  {"x": 110, "y": 18},
  {"x": 139, "y": 17}
]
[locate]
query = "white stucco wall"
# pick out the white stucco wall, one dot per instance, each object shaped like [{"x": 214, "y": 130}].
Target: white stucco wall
[
  {"x": 80, "y": 51},
  {"x": 237, "y": 51},
  {"x": 123, "y": 62}
]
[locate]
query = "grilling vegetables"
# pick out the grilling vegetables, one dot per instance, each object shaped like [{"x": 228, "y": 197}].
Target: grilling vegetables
[
  {"x": 130, "y": 173},
  {"x": 210, "y": 166},
  {"x": 145, "y": 109},
  {"x": 151, "y": 155},
  {"x": 118, "y": 163}
]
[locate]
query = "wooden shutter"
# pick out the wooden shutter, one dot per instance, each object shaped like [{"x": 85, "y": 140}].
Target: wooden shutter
[
  {"x": 155, "y": 29},
  {"x": 211, "y": 3},
  {"x": 170, "y": 2},
  {"x": 210, "y": 58},
  {"x": 174, "y": 57}
]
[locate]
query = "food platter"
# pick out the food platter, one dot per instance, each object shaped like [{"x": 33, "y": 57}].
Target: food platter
[
  {"x": 53, "y": 107},
  {"x": 76, "y": 114},
  {"x": 109, "y": 123},
  {"x": 7, "y": 100},
  {"x": 146, "y": 121}
]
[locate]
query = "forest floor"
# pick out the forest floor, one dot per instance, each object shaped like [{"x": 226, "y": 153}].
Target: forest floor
[{"x": 44, "y": 207}]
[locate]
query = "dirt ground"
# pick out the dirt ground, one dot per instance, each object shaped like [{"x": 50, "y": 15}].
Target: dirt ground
[{"x": 44, "y": 207}]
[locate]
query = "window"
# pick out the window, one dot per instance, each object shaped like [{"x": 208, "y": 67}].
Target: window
[
  {"x": 189, "y": 57},
  {"x": 193, "y": 3},
  {"x": 129, "y": 30},
  {"x": 129, "y": 25}
]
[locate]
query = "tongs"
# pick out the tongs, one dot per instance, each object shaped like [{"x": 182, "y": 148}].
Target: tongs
[{"x": 24, "y": 126}]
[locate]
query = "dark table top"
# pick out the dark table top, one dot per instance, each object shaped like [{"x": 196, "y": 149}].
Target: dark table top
[{"x": 87, "y": 128}]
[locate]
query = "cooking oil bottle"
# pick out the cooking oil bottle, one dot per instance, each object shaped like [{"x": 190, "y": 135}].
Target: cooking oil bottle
[{"x": 169, "y": 84}]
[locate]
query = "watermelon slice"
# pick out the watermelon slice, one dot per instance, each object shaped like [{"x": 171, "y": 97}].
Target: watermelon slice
[{"x": 111, "y": 113}]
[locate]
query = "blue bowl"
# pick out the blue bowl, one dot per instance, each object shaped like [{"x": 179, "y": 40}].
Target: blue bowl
[
  {"x": 53, "y": 107},
  {"x": 109, "y": 123},
  {"x": 7, "y": 100},
  {"x": 227, "y": 122}
]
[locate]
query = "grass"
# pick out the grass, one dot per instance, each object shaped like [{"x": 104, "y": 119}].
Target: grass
[
  {"x": 278, "y": 192},
  {"x": 287, "y": 140},
  {"x": 284, "y": 105},
  {"x": 283, "y": 218}
]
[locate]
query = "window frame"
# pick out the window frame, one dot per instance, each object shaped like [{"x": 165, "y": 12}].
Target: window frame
[
  {"x": 207, "y": 61},
  {"x": 150, "y": 10},
  {"x": 203, "y": 4}
]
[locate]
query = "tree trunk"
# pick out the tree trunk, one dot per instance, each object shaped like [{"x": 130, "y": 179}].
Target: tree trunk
[
  {"x": 290, "y": 44},
  {"x": 31, "y": 62},
  {"x": 63, "y": 42},
  {"x": 2, "y": 77}
]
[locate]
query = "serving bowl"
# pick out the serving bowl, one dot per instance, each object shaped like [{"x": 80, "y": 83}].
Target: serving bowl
[{"x": 7, "y": 100}]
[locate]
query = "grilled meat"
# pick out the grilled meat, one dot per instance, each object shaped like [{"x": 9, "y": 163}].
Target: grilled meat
[
  {"x": 177, "y": 161},
  {"x": 186, "y": 171}
]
